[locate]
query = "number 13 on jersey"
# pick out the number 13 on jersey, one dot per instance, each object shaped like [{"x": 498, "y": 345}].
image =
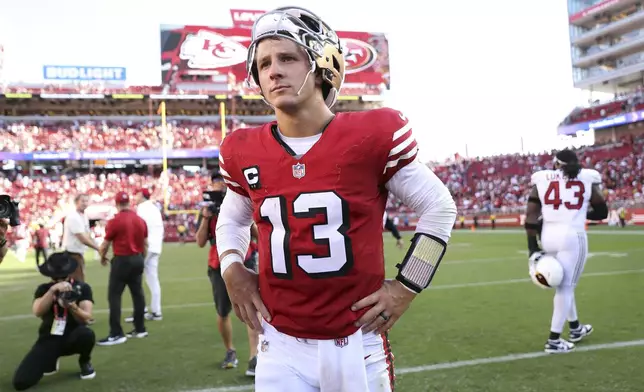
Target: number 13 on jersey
[{"x": 332, "y": 234}]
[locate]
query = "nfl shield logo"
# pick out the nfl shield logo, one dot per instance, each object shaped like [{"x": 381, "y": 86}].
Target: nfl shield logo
[
  {"x": 341, "y": 342},
  {"x": 299, "y": 170}
]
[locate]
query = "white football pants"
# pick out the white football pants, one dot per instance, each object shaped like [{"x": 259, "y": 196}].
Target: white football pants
[
  {"x": 152, "y": 280},
  {"x": 570, "y": 247},
  {"x": 358, "y": 363}
]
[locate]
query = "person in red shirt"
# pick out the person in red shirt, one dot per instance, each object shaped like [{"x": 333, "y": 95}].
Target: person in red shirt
[
  {"x": 41, "y": 242},
  {"x": 127, "y": 233},
  {"x": 207, "y": 224}
]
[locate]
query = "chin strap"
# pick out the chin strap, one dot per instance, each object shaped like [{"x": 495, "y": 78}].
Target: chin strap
[{"x": 306, "y": 77}]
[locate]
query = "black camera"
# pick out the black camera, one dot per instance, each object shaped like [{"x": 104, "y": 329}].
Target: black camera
[
  {"x": 69, "y": 297},
  {"x": 213, "y": 200},
  {"x": 9, "y": 210}
]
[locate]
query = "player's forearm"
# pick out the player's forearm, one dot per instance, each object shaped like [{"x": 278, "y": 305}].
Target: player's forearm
[
  {"x": 598, "y": 212},
  {"x": 421, "y": 190},
  {"x": 533, "y": 244},
  {"x": 232, "y": 232}
]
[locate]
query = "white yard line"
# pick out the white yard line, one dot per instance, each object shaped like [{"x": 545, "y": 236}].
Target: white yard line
[{"x": 461, "y": 364}]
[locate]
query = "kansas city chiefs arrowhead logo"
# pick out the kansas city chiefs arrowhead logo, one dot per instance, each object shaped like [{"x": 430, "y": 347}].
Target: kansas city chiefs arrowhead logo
[
  {"x": 208, "y": 49},
  {"x": 358, "y": 55}
]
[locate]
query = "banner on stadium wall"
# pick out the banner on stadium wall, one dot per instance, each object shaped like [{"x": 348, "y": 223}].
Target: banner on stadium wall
[
  {"x": 83, "y": 73},
  {"x": 217, "y": 52},
  {"x": 612, "y": 121},
  {"x": 113, "y": 155},
  {"x": 244, "y": 19},
  {"x": 635, "y": 216}
]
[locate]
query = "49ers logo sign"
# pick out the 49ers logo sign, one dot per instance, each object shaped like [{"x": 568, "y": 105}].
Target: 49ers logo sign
[{"x": 358, "y": 55}]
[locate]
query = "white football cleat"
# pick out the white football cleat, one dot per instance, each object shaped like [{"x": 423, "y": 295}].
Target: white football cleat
[
  {"x": 558, "y": 346},
  {"x": 583, "y": 331}
]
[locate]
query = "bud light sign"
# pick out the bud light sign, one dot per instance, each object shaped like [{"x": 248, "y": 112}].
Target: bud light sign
[{"x": 83, "y": 73}]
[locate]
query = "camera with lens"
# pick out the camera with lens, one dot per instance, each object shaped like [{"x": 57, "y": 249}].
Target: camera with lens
[
  {"x": 213, "y": 200},
  {"x": 9, "y": 210},
  {"x": 69, "y": 297}
]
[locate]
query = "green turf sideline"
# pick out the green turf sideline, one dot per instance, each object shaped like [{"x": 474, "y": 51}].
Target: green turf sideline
[
  {"x": 437, "y": 287},
  {"x": 460, "y": 364}
]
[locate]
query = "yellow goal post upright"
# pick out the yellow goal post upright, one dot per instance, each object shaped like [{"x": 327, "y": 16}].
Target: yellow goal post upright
[{"x": 165, "y": 178}]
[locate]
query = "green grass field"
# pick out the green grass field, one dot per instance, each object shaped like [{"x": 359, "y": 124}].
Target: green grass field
[{"x": 481, "y": 308}]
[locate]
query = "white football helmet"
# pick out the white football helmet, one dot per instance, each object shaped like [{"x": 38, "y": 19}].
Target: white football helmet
[{"x": 546, "y": 272}]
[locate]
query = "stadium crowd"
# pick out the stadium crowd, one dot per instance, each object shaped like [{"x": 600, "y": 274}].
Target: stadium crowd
[
  {"x": 622, "y": 103},
  {"x": 99, "y": 136},
  {"x": 500, "y": 184},
  {"x": 480, "y": 186}
]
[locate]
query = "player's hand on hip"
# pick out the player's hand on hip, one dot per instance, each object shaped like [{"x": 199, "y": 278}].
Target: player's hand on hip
[
  {"x": 388, "y": 304},
  {"x": 243, "y": 289}
]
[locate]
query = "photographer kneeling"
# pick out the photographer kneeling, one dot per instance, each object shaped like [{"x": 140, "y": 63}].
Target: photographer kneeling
[{"x": 65, "y": 307}]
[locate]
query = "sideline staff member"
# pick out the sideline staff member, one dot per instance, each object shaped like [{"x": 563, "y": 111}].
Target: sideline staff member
[
  {"x": 151, "y": 214},
  {"x": 76, "y": 236},
  {"x": 63, "y": 330},
  {"x": 129, "y": 234}
]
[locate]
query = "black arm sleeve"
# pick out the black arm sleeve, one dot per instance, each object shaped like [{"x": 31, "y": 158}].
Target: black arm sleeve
[
  {"x": 598, "y": 212},
  {"x": 533, "y": 244}
]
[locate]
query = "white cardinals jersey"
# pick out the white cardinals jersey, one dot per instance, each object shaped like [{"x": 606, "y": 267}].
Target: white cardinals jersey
[{"x": 564, "y": 201}]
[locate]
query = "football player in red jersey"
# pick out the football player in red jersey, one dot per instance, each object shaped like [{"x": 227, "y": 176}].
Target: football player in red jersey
[{"x": 316, "y": 184}]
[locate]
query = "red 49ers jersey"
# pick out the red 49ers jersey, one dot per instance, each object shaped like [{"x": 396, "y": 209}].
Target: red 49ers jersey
[{"x": 320, "y": 216}]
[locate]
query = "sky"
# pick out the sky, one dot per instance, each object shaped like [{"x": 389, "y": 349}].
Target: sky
[{"x": 475, "y": 78}]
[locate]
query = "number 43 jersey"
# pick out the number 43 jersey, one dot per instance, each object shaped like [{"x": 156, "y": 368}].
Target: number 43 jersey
[
  {"x": 319, "y": 216},
  {"x": 564, "y": 201}
]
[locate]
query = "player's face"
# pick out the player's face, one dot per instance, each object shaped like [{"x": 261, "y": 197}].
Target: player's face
[{"x": 283, "y": 66}]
